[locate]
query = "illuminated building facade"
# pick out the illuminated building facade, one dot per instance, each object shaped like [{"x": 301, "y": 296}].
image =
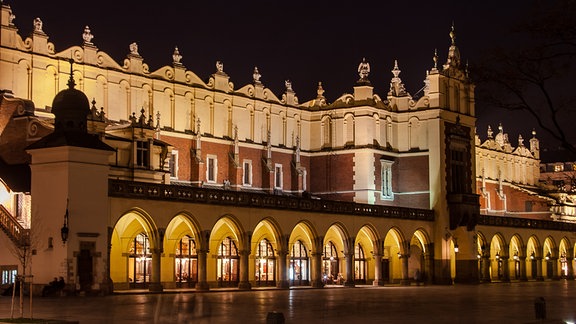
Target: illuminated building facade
[{"x": 118, "y": 177}]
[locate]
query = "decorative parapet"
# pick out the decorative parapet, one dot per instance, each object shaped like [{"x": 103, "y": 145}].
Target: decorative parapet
[
  {"x": 143, "y": 190},
  {"x": 526, "y": 223}
]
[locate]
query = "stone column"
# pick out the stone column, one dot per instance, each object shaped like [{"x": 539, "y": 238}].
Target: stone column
[
  {"x": 404, "y": 264},
  {"x": 349, "y": 255},
  {"x": 244, "y": 283},
  {"x": 486, "y": 267},
  {"x": 569, "y": 265},
  {"x": 377, "y": 270},
  {"x": 155, "y": 284},
  {"x": 428, "y": 275},
  {"x": 523, "y": 276},
  {"x": 539, "y": 276},
  {"x": 282, "y": 279},
  {"x": 554, "y": 262},
  {"x": 316, "y": 270},
  {"x": 505, "y": 268},
  {"x": 202, "y": 284},
  {"x": 108, "y": 285}
]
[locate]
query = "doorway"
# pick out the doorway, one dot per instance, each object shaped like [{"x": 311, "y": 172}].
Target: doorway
[{"x": 85, "y": 266}]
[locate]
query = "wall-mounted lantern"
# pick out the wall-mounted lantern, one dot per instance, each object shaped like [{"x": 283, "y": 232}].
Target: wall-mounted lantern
[{"x": 64, "y": 230}]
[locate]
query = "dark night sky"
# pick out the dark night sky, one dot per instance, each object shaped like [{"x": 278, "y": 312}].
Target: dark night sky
[{"x": 305, "y": 42}]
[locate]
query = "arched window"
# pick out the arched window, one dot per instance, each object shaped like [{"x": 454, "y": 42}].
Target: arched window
[
  {"x": 349, "y": 128},
  {"x": 299, "y": 265},
  {"x": 265, "y": 264},
  {"x": 228, "y": 264},
  {"x": 186, "y": 259},
  {"x": 330, "y": 272},
  {"x": 326, "y": 132},
  {"x": 359, "y": 264},
  {"x": 140, "y": 262}
]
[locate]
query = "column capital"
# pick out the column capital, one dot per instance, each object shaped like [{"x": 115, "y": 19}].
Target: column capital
[{"x": 244, "y": 253}]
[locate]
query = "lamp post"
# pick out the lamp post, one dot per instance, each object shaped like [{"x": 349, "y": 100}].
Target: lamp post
[{"x": 64, "y": 230}]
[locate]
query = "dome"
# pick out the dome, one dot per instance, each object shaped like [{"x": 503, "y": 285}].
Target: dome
[{"x": 70, "y": 108}]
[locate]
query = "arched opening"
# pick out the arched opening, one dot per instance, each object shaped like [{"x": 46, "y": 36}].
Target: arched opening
[
  {"x": 393, "y": 256},
  {"x": 533, "y": 256},
  {"x": 131, "y": 253},
  {"x": 496, "y": 254},
  {"x": 267, "y": 255},
  {"x": 517, "y": 260}
]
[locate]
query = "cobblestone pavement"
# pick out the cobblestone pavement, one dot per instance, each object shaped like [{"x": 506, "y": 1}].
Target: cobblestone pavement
[{"x": 485, "y": 303}]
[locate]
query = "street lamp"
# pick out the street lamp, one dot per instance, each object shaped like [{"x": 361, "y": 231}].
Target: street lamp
[{"x": 64, "y": 230}]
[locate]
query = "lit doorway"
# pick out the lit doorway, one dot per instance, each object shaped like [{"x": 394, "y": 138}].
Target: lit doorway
[
  {"x": 265, "y": 264},
  {"x": 299, "y": 265},
  {"x": 186, "y": 262},
  {"x": 140, "y": 262},
  {"x": 359, "y": 265},
  {"x": 330, "y": 273},
  {"x": 228, "y": 264}
]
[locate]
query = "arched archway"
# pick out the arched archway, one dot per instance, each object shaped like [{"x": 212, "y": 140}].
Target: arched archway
[
  {"x": 134, "y": 244},
  {"x": 498, "y": 255},
  {"x": 182, "y": 242},
  {"x": 534, "y": 256},
  {"x": 301, "y": 246},
  {"x": 228, "y": 246},
  {"x": 550, "y": 259},
  {"x": 419, "y": 261},
  {"x": 483, "y": 255},
  {"x": 337, "y": 256},
  {"x": 370, "y": 266},
  {"x": 269, "y": 254},
  {"x": 517, "y": 261},
  {"x": 396, "y": 254}
]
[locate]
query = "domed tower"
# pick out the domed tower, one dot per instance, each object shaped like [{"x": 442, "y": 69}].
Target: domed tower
[
  {"x": 70, "y": 108},
  {"x": 69, "y": 190}
]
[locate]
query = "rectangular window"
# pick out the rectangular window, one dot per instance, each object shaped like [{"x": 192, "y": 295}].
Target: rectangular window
[
  {"x": 528, "y": 206},
  {"x": 459, "y": 179},
  {"x": 278, "y": 176},
  {"x": 9, "y": 273},
  {"x": 19, "y": 204},
  {"x": 386, "y": 178},
  {"x": 559, "y": 168},
  {"x": 211, "y": 168},
  {"x": 173, "y": 164},
  {"x": 247, "y": 177},
  {"x": 142, "y": 154}
]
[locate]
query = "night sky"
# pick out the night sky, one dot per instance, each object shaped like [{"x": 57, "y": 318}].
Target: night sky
[{"x": 304, "y": 42}]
